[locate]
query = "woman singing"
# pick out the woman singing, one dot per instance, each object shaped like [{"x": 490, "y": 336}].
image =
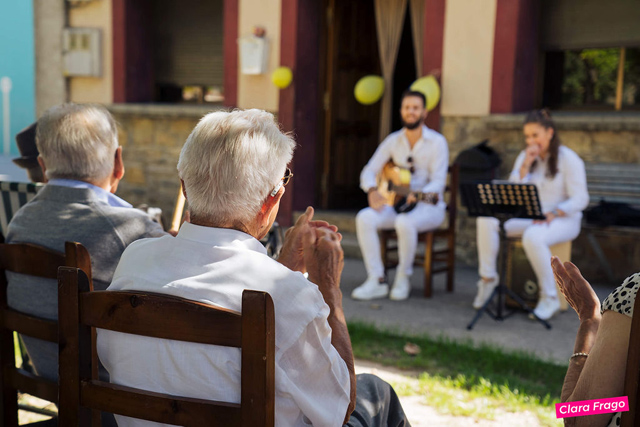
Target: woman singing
[{"x": 560, "y": 178}]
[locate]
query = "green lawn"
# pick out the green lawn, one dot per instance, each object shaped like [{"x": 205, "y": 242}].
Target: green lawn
[{"x": 462, "y": 379}]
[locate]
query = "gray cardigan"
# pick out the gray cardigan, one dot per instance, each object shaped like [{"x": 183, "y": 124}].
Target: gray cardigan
[{"x": 58, "y": 214}]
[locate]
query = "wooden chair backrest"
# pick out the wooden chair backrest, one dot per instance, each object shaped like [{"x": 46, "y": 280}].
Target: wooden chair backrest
[
  {"x": 632, "y": 375},
  {"x": 452, "y": 189},
  {"x": 167, "y": 317},
  {"x": 37, "y": 261}
]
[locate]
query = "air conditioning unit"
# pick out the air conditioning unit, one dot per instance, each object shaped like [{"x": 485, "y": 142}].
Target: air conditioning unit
[{"x": 82, "y": 52}]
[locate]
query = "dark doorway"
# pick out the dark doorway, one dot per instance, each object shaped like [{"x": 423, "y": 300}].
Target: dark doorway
[
  {"x": 350, "y": 128},
  {"x": 405, "y": 72}
]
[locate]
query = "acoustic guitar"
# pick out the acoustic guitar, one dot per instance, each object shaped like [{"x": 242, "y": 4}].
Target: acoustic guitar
[{"x": 394, "y": 184}]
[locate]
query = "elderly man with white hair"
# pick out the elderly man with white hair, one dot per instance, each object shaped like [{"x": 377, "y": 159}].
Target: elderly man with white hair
[
  {"x": 80, "y": 156},
  {"x": 234, "y": 171}
]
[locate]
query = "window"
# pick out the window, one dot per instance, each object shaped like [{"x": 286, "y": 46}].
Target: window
[
  {"x": 591, "y": 51},
  {"x": 593, "y": 79},
  {"x": 188, "y": 50}
]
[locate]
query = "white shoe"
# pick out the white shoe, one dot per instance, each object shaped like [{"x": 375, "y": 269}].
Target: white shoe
[
  {"x": 401, "y": 288},
  {"x": 370, "y": 289},
  {"x": 485, "y": 289},
  {"x": 547, "y": 307}
]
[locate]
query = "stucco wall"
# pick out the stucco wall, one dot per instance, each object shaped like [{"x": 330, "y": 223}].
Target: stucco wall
[
  {"x": 95, "y": 14},
  {"x": 151, "y": 137},
  {"x": 467, "y": 57},
  {"x": 51, "y": 85},
  {"x": 257, "y": 91}
]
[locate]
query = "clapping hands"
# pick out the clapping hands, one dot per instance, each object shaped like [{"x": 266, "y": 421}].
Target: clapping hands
[{"x": 576, "y": 289}]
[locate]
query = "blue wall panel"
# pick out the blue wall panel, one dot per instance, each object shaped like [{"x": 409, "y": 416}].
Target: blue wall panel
[{"x": 17, "y": 62}]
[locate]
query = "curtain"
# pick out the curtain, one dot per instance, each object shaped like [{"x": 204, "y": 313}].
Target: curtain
[
  {"x": 389, "y": 22},
  {"x": 417, "y": 28}
]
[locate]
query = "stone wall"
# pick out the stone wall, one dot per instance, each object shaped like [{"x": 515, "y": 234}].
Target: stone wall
[
  {"x": 597, "y": 138},
  {"x": 151, "y": 137}
]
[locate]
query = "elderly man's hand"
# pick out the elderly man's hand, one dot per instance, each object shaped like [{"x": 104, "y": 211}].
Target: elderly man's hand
[
  {"x": 576, "y": 290},
  {"x": 324, "y": 259},
  {"x": 292, "y": 253}
]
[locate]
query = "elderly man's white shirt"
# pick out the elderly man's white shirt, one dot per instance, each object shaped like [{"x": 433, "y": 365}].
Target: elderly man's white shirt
[
  {"x": 430, "y": 156},
  {"x": 214, "y": 266}
]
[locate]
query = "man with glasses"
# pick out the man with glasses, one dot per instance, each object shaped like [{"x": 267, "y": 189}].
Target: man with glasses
[
  {"x": 424, "y": 152},
  {"x": 233, "y": 171}
]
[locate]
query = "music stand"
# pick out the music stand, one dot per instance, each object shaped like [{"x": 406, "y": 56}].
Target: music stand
[{"x": 502, "y": 200}]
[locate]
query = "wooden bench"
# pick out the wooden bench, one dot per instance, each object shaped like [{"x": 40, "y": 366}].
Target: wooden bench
[{"x": 612, "y": 182}]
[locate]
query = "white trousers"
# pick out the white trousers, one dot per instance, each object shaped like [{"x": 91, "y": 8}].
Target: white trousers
[
  {"x": 407, "y": 225},
  {"x": 536, "y": 240}
]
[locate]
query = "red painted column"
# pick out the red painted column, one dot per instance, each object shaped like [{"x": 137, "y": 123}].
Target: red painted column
[
  {"x": 299, "y": 104},
  {"x": 515, "y": 56},
  {"x": 133, "y": 79},
  {"x": 433, "y": 39},
  {"x": 288, "y": 32},
  {"x": 118, "y": 9},
  {"x": 230, "y": 47}
]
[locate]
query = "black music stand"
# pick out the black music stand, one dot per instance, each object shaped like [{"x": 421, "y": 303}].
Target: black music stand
[{"x": 502, "y": 200}]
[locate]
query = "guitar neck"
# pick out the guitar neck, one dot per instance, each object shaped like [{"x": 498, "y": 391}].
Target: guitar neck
[{"x": 431, "y": 198}]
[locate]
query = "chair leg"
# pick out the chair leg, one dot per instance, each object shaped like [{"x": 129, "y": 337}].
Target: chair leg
[
  {"x": 428, "y": 264},
  {"x": 451, "y": 262},
  {"x": 383, "y": 250}
]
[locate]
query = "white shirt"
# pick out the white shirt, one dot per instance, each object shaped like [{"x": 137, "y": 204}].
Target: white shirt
[
  {"x": 567, "y": 191},
  {"x": 214, "y": 266},
  {"x": 430, "y": 155}
]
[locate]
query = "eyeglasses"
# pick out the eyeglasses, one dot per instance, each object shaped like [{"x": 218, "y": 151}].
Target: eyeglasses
[
  {"x": 284, "y": 181},
  {"x": 412, "y": 169}
]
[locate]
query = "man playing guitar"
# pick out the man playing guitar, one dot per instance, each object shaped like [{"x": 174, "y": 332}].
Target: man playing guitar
[{"x": 424, "y": 152}]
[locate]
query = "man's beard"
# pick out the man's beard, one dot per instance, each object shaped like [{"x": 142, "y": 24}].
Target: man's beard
[{"x": 412, "y": 126}]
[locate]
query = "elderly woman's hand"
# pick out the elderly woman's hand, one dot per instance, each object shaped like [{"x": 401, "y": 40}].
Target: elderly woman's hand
[
  {"x": 576, "y": 290},
  {"x": 292, "y": 253},
  {"x": 324, "y": 259}
]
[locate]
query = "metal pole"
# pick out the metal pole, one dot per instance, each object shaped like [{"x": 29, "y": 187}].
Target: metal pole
[
  {"x": 5, "y": 87},
  {"x": 620, "y": 86}
]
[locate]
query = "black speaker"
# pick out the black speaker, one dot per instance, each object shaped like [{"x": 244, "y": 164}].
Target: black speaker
[{"x": 521, "y": 278}]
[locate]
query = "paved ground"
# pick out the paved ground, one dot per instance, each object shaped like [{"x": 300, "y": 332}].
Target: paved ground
[{"x": 447, "y": 314}]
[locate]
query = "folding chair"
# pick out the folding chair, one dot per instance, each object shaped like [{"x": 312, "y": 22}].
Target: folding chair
[
  {"x": 14, "y": 195},
  {"x": 167, "y": 317},
  {"x": 445, "y": 255},
  {"x": 37, "y": 261}
]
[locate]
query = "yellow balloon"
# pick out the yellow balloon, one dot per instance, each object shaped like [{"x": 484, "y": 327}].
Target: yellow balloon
[
  {"x": 369, "y": 89},
  {"x": 430, "y": 88},
  {"x": 282, "y": 77}
]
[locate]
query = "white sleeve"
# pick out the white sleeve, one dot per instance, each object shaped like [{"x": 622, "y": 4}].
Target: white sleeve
[
  {"x": 371, "y": 170},
  {"x": 515, "y": 173},
  {"x": 575, "y": 182},
  {"x": 438, "y": 167},
  {"x": 314, "y": 375}
]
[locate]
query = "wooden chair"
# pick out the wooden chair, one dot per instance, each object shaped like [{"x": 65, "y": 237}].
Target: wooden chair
[
  {"x": 37, "y": 261},
  {"x": 444, "y": 255},
  {"x": 168, "y": 317},
  {"x": 632, "y": 375}
]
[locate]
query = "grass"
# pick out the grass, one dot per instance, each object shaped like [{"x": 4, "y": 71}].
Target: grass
[{"x": 459, "y": 378}]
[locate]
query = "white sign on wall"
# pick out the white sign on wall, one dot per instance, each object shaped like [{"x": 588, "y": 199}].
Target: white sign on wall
[{"x": 254, "y": 54}]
